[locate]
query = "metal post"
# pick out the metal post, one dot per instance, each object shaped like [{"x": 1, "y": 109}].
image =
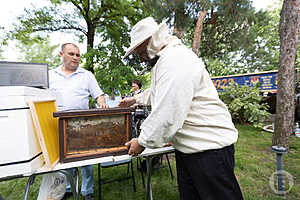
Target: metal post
[
  {"x": 149, "y": 187},
  {"x": 29, "y": 183},
  {"x": 279, "y": 153},
  {"x": 74, "y": 186},
  {"x": 279, "y": 170}
]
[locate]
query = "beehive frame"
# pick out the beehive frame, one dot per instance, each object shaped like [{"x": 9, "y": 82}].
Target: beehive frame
[
  {"x": 46, "y": 128},
  {"x": 86, "y": 134}
]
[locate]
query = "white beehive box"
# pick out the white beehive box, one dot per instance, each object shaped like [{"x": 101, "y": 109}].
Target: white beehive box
[{"x": 19, "y": 147}]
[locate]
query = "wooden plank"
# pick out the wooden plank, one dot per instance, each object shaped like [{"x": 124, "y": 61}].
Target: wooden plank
[
  {"x": 93, "y": 112},
  {"x": 46, "y": 127}
]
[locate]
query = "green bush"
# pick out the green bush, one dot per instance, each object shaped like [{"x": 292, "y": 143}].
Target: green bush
[{"x": 243, "y": 103}]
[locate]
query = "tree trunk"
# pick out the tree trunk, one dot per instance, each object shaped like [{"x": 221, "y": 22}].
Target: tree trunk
[
  {"x": 179, "y": 19},
  {"x": 90, "y": 45},
  {"x": 285, "y": 108},
  {"x": 112, "y": 89},
  {"x": 198, "y": 32},
  {"x": 178, "y": 32}
]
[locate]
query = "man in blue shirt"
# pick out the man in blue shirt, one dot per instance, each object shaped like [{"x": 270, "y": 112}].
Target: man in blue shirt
[{"x": 73, "y": 86}]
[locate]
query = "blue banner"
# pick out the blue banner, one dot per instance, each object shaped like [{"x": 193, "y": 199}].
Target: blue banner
[{"x": 268, "y": 81}]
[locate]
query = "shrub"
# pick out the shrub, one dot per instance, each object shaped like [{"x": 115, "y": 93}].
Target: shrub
[{"x": 243, "y": 104}]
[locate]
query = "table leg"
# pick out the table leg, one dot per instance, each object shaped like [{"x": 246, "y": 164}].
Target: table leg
[
  {"x": 99, "y": 182},
  {"x": 29, "y": 183},
  {"x": 149, "y": 168},
  {"x": 139, "y": 166},
  {"x": 169, "y": 166},
  {"x": 74, "y": 187},
  {"x": 65, "y": 172}
]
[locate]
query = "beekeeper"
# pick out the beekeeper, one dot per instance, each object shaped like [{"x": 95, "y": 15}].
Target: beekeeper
[{"x": 185, "y": 111}]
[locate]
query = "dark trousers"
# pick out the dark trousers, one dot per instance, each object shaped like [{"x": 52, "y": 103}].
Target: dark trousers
[{"x": 207, "y": 175}]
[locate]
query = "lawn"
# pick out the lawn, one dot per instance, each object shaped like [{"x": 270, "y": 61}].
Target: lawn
[{"x": 255, "y": 164}]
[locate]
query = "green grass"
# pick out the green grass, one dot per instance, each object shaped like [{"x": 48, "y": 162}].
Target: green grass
[{"x": 255, "y": 163}]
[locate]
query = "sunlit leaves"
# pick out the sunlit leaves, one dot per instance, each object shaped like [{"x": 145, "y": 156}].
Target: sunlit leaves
[{"x": 40, "y": 51}]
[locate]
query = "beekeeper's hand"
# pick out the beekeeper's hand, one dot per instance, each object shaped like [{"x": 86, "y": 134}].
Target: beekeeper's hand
[
  {"x": 134, "y": 148},
  {"x": 126, "y": 102}
]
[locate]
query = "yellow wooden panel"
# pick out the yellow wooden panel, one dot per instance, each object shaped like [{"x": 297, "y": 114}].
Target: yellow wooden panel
[{"x": 47, "y": 129}]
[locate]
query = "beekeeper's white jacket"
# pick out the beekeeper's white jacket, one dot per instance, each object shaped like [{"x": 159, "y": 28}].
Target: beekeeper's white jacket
[{"x": 186, "y": 109}]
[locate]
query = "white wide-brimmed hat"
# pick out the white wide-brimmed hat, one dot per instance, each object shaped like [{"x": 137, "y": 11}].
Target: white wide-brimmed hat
[{"x": 141, "y": 32}]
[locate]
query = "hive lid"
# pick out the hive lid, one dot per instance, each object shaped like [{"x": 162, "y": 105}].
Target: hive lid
[
  {"x": 24, "y": 74},
  {"x": 16, "y": 97}
]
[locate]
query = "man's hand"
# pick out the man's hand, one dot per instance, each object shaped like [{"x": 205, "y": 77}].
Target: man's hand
[
  {"x": 134, "y": 147},
  {"x": 168, "y": 144},
  {"x": 103, "y": 105},
  {"x": 126, "y": 102},
  {"x": 101, "y": 102}
]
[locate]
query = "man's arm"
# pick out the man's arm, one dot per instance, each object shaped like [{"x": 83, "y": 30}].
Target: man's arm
[
  {"x": 126, "y": 102},
  {"x": 143, "y": 98},
  {"x": 140, "y": 99},
  {"x": 101, "y": 102}
]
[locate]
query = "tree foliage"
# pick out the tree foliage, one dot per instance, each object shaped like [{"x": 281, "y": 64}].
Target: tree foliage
[
  {"x": 1, "y": 51},
  {"x": 234, "y": 39},
  {"x": 104, "y": 25},
  {"x": 256, "y": 49},
  {"x": 228, "y": 34},
  {"x": 39, "y": 51},
  {"x": 111, "y": 72},
  {"x": 84, "y": 18},
  {"x": 2, "y": 41}
]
